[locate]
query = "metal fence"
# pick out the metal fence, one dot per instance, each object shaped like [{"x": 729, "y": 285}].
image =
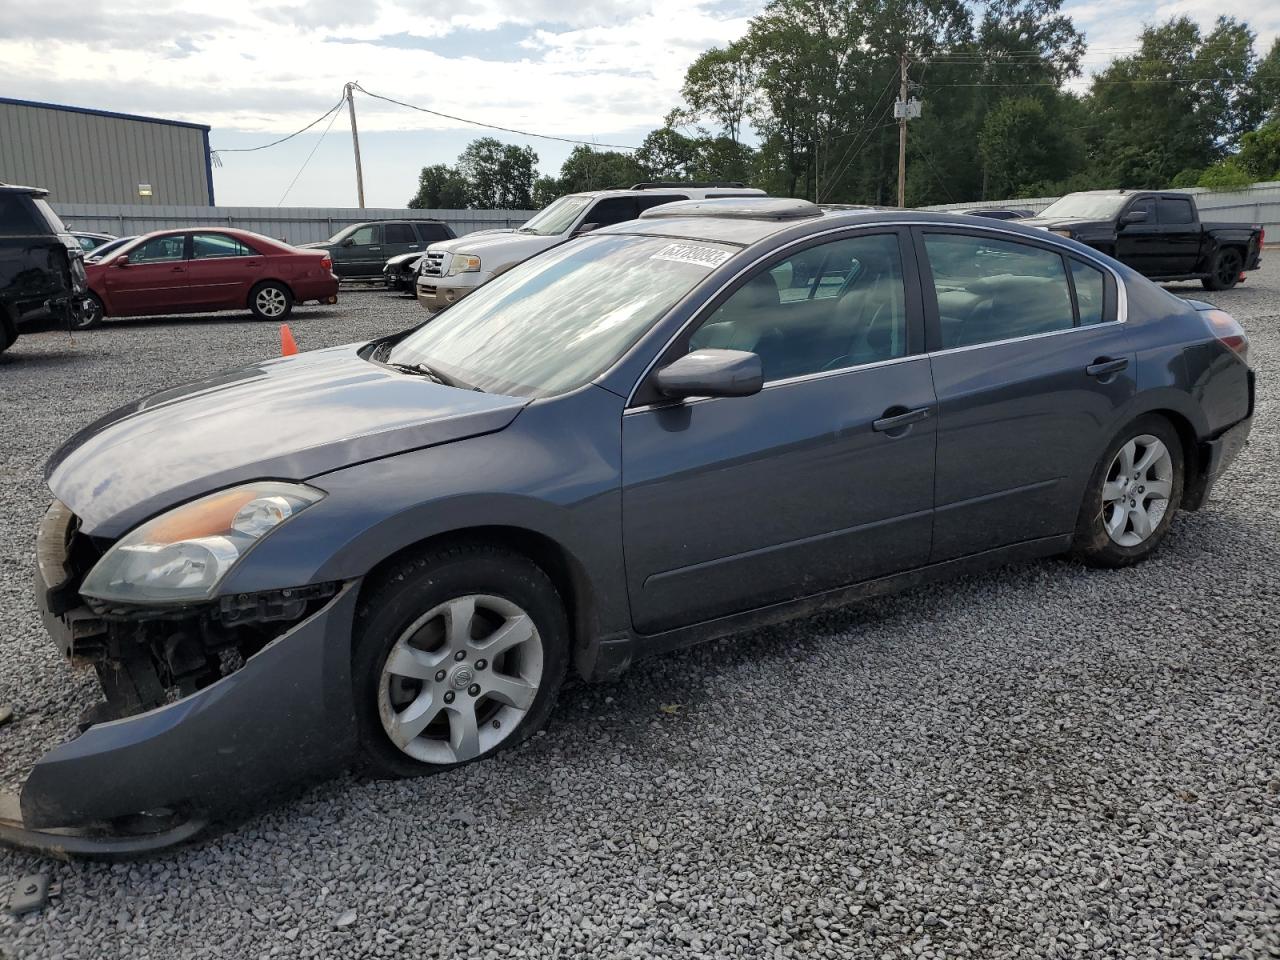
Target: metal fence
[
  {"x": 291, "y": 224},
  {"x": 1259, "y": 203}
]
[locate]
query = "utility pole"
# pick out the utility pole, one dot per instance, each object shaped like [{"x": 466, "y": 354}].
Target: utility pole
[
  {"x": 901, "y": 136},
  {"x": 355, "y": 140}
]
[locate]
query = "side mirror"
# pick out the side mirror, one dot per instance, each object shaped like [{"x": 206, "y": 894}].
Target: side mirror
[
  {"x": 586, "y": 228},
  {"x": 349, "y": 242},
  {"x": 1134, "y": 216},
  {"x": 711, "y": 373},
  {"x": 122, "y": 261}
]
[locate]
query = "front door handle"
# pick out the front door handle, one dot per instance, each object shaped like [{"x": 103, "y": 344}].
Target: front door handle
[
  {"x": 1105, "y": 366},
  {"x": 896, "y": 421},
  {"x": 176, "y": 269}
]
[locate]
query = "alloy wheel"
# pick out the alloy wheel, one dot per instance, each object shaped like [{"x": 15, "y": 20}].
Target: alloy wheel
[
  {"x": 459, "y": 680},
  {"x": 1135, "y": 494},
  {"x": 271, "y": 302}
]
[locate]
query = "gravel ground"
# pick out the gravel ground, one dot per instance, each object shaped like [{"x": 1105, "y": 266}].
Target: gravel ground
[{"x": 1041, "y": 761}]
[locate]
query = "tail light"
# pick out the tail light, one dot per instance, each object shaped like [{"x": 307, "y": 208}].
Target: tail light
[
  {"x": 1228, "y": 331},
  {"x": 326, "y": 263}
]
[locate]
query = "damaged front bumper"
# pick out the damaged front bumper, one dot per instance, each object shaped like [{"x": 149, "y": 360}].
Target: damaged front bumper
[{"x": 280, "y": 714}]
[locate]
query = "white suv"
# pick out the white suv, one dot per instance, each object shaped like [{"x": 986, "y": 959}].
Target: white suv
[{"x": 451, "y": 269}]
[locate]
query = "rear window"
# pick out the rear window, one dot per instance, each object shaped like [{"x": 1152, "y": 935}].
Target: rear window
[{"x": 18, "y": 215}]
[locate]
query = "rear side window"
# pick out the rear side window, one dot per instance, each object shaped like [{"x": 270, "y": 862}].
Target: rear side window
[
  {"x": 207, "y": 246},
  {"x": 991, "y": 290},
  {"x": 431, "y": 232},
  {"x": 1175, "y": 210},
  {"x": 18, "y": 215},
  {"x": 1090, "y": 292},
  {"x": 399, "y": 233}
]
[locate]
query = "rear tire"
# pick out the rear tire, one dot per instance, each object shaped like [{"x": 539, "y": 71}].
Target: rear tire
[
  {"x": 271, "y": 300},
  {"x": 1227, "y": 264},
  {"x": 90, "y": 314},
  {"x": 8, "y": 330},
  {"x": 1132, "y": 496},
  {"x": 459, "y": 653}
]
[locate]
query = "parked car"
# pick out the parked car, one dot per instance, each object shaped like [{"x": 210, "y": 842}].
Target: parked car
[
  {"x": 391, "y": 553},
  {"x": 362, "y": 249},
  {"x": 41, "y": 264},
  {"x": 203, "y": 269},
  {"x": 1158, "y": 233},
  {"x": 451, "y": 270},
  {"x": 91, "y": 241},
  {"x": 1001, "y": 213},
  {"x": 108, "y": 248},
  {"x": 401, "y": 273}
]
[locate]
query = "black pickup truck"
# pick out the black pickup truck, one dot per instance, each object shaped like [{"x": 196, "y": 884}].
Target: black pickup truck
[
  {"x": 1157, "y": 232},
  {"x": 41, "y": 264}
]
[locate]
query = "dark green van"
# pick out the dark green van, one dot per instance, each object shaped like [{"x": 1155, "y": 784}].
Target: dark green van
[{"x": 361, "y": 249}]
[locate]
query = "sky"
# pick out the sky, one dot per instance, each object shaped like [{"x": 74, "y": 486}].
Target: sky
[{"x": 607, "y": 71}]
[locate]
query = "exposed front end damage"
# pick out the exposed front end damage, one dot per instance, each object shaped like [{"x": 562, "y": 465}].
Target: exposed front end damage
[{"x": 204, "y": 705}]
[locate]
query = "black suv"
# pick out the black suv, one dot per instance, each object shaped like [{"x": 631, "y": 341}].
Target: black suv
[
  {"x": 362, "y": 249},
  {"x": 41, "y": 264}
]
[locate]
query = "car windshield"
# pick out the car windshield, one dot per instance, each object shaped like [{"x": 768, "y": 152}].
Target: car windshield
[
  {"x": 1086, "y": 206},
  {"x": 557, "y": 218},
  {"x": 560, "y": 319}
]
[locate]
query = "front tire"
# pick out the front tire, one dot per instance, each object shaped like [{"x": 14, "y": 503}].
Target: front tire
[
  {"x": 1227, "y": 264},
  {"x": 1132, "y": 496},
  {"x": 271, "y": 300},
  {"x": 459, "y": 653}
]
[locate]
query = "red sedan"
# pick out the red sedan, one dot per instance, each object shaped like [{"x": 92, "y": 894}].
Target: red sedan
[{"x": 202, "y": 269}]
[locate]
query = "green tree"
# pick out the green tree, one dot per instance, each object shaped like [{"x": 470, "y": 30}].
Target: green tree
[
  {"x": 440, "y": 187},
  {"x": 498, "y": 175},
  {"x": 1225, "y": 175},
  {"x": 721, "y": 85},
  {"x": 589, "y": 169},
  {"x": 667, "y": 154},
  {"x": 1260, "y": 151},
  {"x": 1024, "y": 145}
]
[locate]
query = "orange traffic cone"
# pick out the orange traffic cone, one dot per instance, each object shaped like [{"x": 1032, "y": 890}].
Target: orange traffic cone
[{"x": 287, "y": 345}]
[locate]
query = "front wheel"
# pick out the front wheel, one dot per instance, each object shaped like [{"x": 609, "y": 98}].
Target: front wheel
[
  {"x": 1227, "y": 265},
  {"x": 458, "y": 654},
  {"x": 1132, "y": 496},
  {"x": 271, "y": 301}
]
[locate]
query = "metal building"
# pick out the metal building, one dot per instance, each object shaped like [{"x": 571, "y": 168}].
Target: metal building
[{"x": 95, "y": 156}]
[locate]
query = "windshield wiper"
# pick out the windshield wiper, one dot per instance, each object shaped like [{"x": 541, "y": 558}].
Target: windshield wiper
[{"x": 431, "y": 373}]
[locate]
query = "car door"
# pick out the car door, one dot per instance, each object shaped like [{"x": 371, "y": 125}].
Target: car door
[
  {"x": 823, "y": 478},
  {"x": 153, "y": 280},
  {"x": 1032, "y": 365},
  {"x": 1140, "y": 245},
  {"x": 1180, "y": 232},
  {"x": 398, "y": 238},
  {"x": 360, "y": 253},
  {"x": 221, "y": 271}
]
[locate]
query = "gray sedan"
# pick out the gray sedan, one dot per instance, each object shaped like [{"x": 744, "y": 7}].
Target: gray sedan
[{"x": 726, "y": 412}]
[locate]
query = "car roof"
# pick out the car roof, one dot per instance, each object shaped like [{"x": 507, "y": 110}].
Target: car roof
[
  {"x": 697, "y": 192},
  {"x": 18, "y": 188}
]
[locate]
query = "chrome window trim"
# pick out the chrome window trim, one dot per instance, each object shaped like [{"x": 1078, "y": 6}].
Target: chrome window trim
[{"x": 1122, "y": 298}]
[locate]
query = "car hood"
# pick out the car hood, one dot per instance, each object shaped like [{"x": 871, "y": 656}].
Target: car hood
[
  {"x": 501, "y": 248},
  {"x": 401, "y": 259},
  {"x": 1056, "y": 223},
  {"x": 289, "y": 418},
  {"x": 315, "y": 245}
]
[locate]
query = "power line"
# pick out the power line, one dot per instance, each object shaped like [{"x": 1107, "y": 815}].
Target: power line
[
  {"x": 492, "y": 126},
  {"x": 295, "y": 133},
  {"x": 841, "y": 166},
  {"x": 308, "y": 160}
]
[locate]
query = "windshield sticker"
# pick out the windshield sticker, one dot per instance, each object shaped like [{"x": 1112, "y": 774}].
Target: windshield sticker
[{"x": 692, "y": 253}]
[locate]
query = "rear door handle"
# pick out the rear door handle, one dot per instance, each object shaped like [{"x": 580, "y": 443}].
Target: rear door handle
[
  {"x": 1105, "y": 366},
  {"x": 899, "y": 420}
]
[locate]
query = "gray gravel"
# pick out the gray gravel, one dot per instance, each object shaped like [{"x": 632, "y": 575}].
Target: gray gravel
[{"x": 1041, "y": 761}]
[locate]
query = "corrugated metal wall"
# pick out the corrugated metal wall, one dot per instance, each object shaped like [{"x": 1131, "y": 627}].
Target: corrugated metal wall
[
  {"x": 292, "y": 224},
  {"x": 83, "y": 156},
  {"x": 1259, "y": 203}
]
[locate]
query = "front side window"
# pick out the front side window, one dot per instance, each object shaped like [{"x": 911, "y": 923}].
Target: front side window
[
  {"x": 612, "y": 210},
  {"x": 399, "y": 233},
  {"x": 87, "y": 243},
  {"x": 1147, "y": 206},
  {"x": 209, "y": 246},
  {"x": 159, "y": 249},
  {"x": 366, "y": 236},
  {"x": 1175, "y": 210},
  {"x": 839, "y": 304},
  {"x": 991, "y": 290},
  {"x": 558, "y": 320}
]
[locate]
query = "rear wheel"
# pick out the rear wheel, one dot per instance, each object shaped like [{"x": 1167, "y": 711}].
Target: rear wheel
[
  {"x": 271, "y": 301},
  {"x": 459, "y": 653},
  {"x": 89, "y": 314},
  {"x": 1133, "y": 495},
  {"x": 1227, "y": 265},
  {"x": 8, "y": 330}
]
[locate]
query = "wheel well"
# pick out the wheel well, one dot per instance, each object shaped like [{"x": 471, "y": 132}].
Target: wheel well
[
  {"x": 1192, "y": 459},
  {"x": 556, "y": 562}
]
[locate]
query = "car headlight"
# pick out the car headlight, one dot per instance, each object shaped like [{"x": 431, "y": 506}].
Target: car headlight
[
  {"x": 182, "y": 556},
  {"x": 464, "y": 263}
]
